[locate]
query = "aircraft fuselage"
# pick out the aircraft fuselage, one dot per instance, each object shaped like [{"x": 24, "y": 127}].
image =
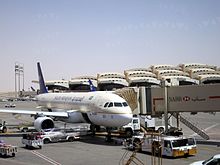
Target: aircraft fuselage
[{"x": 99, "y": 108}]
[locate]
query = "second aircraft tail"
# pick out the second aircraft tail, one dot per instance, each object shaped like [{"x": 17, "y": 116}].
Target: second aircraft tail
[{"x": 92, "y": 87}]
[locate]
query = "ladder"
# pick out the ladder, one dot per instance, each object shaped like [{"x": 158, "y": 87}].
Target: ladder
[
  {"x": 193, "y": 126},
  {"x": 132, "y": 159}
]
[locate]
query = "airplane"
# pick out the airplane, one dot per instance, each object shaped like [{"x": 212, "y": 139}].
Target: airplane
[{"x": 99, "y": 108}]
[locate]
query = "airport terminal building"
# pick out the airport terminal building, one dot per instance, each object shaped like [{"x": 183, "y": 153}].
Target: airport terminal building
[{"x": 182, "y": 74}]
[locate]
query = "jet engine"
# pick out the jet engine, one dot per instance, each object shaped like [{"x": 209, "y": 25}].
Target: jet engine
[{"x": 43, "y": 123}]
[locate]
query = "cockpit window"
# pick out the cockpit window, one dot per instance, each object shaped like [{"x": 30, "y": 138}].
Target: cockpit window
[
  {"x": 125, "y": 104},
  {"x": 106, "y": 104},
  {"x": 116, "y": 104},
  {"x": 110, "y": 104}
]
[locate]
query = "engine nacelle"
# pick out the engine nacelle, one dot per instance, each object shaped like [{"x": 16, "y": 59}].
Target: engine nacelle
[{"x": 43, "y": 123}]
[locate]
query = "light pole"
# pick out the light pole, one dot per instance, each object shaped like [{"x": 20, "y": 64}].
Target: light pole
[
  {"x": 19, "y": 71},
  {"x": 16, "y": 73}
]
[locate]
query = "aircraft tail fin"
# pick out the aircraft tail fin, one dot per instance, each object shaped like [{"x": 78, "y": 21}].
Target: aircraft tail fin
[
  {"x": 92, "y": 87},
  {"x": 43, "y": 88}
]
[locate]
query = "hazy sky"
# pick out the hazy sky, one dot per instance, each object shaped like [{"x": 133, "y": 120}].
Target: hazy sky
[{"x": 85, "y": 37}]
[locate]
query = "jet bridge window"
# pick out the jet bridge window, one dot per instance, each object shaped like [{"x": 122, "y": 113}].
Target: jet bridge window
[{"x": 116, "y": 104}]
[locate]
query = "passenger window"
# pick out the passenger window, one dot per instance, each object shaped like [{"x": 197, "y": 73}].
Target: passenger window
[
  {"x": 125, "y": 104},
  {"x": 117, "y": 104},
  {"x": 106, "y": 104},
  {"x": 110, "y": 104}
]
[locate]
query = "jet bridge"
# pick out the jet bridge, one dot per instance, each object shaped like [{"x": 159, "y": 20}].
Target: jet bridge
[
  {"x": 176, "y": 99},
  {"x": 193, "y": 98},
  {"x": 173, "y": 100},
  {"x": 189, "y": 98}
]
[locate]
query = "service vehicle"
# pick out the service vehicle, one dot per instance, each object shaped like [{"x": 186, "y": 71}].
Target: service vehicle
[
  {"x": 3, "y": 127},
  {"x": 172, "y": 146},
  {"x": 7, "y": 149},
  {"x": 149, "y": 123},
  {"x": 56, "y": 135},
  {"x": 32, "y": 140},
  {"x": 215, "y": 160},
  {"x": 131, "y": 128}
]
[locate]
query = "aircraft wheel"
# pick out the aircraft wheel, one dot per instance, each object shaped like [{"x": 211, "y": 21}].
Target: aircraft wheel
[
  {"x": 92, "y": 129},
  {"x": 161, "y": 130},
  {"x": 137, "y": 144},
  {"x": 129, "y": 132},
  {"x": 4, "y": 130},
  {"x": 71, "y": 139},
  {"x": 24, "y": 130},
  {"x": 27, "y": 146},
  {"x": 46, "y": 141}
]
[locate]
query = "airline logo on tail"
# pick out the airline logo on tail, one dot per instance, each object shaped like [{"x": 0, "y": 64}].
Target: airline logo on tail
[
  {"x": 43, "y": 88},
  {"x": 92, "y": 87}
]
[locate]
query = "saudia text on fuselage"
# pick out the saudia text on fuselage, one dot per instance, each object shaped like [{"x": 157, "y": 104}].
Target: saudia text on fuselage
[{"x": 69, "y": 98}]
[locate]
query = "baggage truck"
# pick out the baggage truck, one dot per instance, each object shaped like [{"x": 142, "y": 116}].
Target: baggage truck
[
  {"x": 32, "y": 140},
  {"x": 7, "y": 149}
]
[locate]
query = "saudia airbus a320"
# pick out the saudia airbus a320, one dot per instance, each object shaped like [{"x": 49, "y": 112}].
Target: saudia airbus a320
[{"x": 97, "y": 108}]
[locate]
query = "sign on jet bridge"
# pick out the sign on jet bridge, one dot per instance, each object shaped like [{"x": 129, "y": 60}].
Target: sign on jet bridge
[{"x": 193, "y": 98}]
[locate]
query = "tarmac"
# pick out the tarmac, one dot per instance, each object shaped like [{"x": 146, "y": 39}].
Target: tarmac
[{"x": 96, "y": 151}]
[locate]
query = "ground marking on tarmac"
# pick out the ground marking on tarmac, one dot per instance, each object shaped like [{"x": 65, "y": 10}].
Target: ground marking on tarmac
[
  {"x": 209, "y": 149},
  {"x": 45, "y": 158},
  {"x": 212, "y": 126}
]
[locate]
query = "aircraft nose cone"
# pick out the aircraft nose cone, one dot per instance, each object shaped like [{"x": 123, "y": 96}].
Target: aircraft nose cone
[{"x": 127, "y": 118}]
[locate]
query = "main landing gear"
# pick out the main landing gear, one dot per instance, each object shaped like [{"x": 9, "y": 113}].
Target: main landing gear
[
  {"x": 94, "y": 129},
  {"x": 108, "y": 138}
]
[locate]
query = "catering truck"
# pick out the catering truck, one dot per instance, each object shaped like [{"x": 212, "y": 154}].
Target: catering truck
[{"x": 172, "y": 146}]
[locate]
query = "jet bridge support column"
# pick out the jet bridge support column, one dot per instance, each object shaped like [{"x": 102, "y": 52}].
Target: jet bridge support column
[
  {"x": 166, "y": 107},
  {"x": 178, "y": 120}
]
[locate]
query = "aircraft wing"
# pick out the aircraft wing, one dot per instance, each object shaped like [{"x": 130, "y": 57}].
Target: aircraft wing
[{"x": 28, "y": 112}]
